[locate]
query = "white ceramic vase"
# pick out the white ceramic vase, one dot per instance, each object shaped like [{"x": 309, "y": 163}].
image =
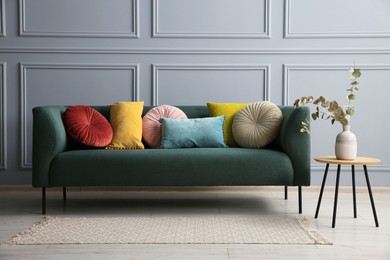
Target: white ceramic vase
[{"x": 346, "y": 145}]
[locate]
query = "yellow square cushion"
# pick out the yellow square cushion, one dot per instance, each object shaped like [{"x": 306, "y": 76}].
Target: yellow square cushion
[
  {"x": 126, "y": 122},
  {"x": 228, "y": 110}
]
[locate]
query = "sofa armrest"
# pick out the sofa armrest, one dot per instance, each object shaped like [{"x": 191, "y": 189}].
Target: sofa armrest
[
  {"x": 296, "y": 144},
  {"x": 49, "y": 139}
]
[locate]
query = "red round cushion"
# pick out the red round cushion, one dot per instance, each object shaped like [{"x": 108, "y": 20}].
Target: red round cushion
[
  {"x": 87, "y": 126},
  {"x": 151, "y": 127}
]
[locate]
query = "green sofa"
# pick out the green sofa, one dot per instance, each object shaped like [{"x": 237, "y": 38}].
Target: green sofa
[{"x": 60, "y": 162}]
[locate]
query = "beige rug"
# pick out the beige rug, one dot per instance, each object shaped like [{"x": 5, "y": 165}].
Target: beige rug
[{"x": 171, "y": 230}]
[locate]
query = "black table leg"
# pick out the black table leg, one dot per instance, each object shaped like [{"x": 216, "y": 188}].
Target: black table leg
[
  {"x": 322, "y": 190},
  {"x": 336, "y": 196},
  {"x": 371, "y": 197},
  {"x": 354, "y": 192}
]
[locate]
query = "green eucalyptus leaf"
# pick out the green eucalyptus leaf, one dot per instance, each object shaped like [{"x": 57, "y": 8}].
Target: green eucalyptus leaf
[
  {"x": 356, "y": 73},
  {"x": 319, "y": 100},
  {"x": 350, "y": 111},
  {"x": 354, "y": 83},
  {"x": 333, "y": 105},
  {"x": 344, "y": 121},
  {"x": 325, "y": 104},
  {"x": 305, "y": 131}
]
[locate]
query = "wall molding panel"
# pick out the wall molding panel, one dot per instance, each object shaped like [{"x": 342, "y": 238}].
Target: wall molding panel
[
  {"x": 197, "y": 51},
  {"x": 25, "y": 67},
  {"x": 332, "y": 32},
  {"x": 199, "y": 30},
  {"x": 159, "y": 68},
  {"x": 2, "y": 18},
  {"x": 3, "y": 115},
  {"x": 77, "y": 30},
  {"x": 288, "y": 69}
]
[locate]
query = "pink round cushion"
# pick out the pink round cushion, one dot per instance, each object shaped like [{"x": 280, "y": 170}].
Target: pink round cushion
[
  {"x": 87, "y": 126},
  {"x": 151, "y": 126}
]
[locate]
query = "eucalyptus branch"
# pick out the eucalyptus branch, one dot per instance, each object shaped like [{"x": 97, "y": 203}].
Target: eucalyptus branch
[{"x": 331, "y": 109}]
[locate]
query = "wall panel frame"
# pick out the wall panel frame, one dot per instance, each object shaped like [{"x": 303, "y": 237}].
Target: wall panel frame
[
  {"x": 25, "y": 67},
  {"x": 3, "y": 116},
  {"x": 159, "y": 68},
  {"x": 133, "y": 33},
  {"x": 290, "y": 33},
  {"x": 2, "y": 18},
  {"x": 158, "y": 33}
]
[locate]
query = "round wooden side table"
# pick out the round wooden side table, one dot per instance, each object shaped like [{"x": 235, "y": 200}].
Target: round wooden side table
[{"x": 362, "y": 161}]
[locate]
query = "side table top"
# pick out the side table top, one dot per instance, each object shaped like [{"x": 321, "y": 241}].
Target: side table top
[{"x": 356, "y": 161}]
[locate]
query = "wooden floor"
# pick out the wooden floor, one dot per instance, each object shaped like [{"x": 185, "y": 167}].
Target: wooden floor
[{"x": 352, "y": 238}]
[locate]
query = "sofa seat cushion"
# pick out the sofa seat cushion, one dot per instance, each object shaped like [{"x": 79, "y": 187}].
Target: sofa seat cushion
[{"x": 172, "y": 167}]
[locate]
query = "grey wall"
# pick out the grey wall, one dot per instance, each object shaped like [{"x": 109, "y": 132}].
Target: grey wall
[{"x": 190, "y": 52}]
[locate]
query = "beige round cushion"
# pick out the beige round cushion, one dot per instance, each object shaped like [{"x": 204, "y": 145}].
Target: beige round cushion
[{"x": 257, "y": 125}]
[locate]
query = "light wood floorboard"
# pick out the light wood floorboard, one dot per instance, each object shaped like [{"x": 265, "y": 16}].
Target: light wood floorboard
[{"x": 352, "y": 238}]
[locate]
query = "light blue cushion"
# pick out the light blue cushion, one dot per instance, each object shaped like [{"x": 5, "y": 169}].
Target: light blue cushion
[{"x": 193, "y": 132}]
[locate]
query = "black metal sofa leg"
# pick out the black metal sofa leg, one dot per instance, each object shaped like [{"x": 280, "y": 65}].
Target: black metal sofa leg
[
  {"x": 43, "y": 200},
  {"x": 64, "y": 193},
  {"x": 300, "y": 199},
  {"x": 285, "y": 192}
]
